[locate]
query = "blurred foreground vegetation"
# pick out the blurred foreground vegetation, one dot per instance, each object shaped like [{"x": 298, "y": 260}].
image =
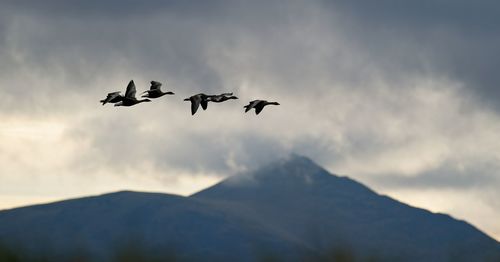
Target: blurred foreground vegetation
[{"x": 132, "y": 253}]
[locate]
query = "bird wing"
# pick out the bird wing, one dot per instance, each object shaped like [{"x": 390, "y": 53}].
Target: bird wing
[
  {"x": 251, "y": 105},
  {"x": 110, "y": 97},
  {"x": 259, "y": 107},
  {"x": 195, "y": 103},
  {"x": 204, "y": 104},
  {"x": 114, "y": 93},
  {"x": 155, "y": 85},
  {"x": 130, "y": 93}
]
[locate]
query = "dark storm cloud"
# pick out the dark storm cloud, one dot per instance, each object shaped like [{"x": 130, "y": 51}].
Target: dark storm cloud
[
  {"x": 455, "y": 38},
  {"x": 112, "y": 9},
  {"x": 79, "y": 43},
  {"x": 451, "y": 38},
  {"x": 77, "y": 51}
]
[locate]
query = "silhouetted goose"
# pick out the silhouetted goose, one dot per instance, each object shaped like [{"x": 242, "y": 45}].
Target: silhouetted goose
[
  {"x": 258, "y": 105},
  {"x": 129, "y": 98},
  {"x": 114, "y": 97},
  {"x": 221, "y": 98},
  {"x": 196, "y": 101},
  {"x": 155, "y": 91}
]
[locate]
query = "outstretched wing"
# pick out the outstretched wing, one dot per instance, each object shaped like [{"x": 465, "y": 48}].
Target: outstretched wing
[
  {"x": 155, "y": 85},
  {"x": 130, "y": 93},
  {"x": 110, "y": 97},
  {"x": 251, "y": 105},
  {"x": 204, "y": 104},
  {"x": 195, "y": 103},
  {"x": 259, "y": 107}
]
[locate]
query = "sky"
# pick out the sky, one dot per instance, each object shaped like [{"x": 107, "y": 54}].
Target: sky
[{"x": 402, "y": 96}]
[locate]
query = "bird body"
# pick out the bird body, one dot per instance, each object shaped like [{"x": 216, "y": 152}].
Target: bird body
[
  {"x": 129, "y": 99},
  {"x": 258, "y": 105},
  {"x": 155, "y": 91},
  {"x": 221, "y": 98}
]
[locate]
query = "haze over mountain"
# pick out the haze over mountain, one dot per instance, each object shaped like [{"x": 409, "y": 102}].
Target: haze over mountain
[{"x": 291, "y": 209}]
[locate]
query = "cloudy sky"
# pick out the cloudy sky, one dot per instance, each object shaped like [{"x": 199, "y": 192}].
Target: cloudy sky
[{"x": 400, "y": 95}]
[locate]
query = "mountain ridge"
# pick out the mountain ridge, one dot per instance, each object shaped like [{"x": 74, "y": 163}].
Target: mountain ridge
[{"x": 292, "y": 207}]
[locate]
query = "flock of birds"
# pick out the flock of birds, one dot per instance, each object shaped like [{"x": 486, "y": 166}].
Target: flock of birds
[{"x": 155, "y": 91}]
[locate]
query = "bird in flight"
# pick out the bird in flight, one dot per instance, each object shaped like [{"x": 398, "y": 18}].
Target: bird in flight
[
  {"x": 196, "y": 101},
  {"x": 221, "y": 98},
  {"x": 155, "y": 91},
  {"x": 129, "y": 99},
  {"x": 258, "y": 105}
]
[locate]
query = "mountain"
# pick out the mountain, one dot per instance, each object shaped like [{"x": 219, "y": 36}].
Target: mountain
[
  {"x": 160, "y": 224},
  {"x": 291, "y": 209},
  {"x": 326, "y": 211}
]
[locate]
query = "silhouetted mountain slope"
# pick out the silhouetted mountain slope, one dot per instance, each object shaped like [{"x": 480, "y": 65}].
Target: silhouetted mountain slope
[
  {"x": 326, "y": 211},
  {"x": 158, "y": 223},
  {"x": 292, "y": 209}
]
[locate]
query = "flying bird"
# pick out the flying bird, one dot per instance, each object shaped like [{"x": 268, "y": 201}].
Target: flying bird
[
  {"x": 113, "y": 97},
  {"x": 196, "y": 101},
  {"x": 129, "y": 99},
  {"x": 155, "y": 91},
  {"x": 258, "y": 105},
  {"x": 221, "y": 98}
]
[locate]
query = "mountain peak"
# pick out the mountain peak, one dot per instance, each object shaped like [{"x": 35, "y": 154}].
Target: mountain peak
[
  {"x": 293, "y": 167},
  {"x": 294, "y": 175}
]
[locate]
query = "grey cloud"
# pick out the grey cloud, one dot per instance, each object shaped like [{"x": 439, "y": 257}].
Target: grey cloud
[
  {"x": 446, "y": 176},
  {"x": 458, "y": 39},
  {"x": 176, "y": 39},
  {"x": 81, "y": 43},
  {"x": 122, "y": 143},
  {"x": 110, "y": 9},
  {"x": 67, "y": 54}
]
